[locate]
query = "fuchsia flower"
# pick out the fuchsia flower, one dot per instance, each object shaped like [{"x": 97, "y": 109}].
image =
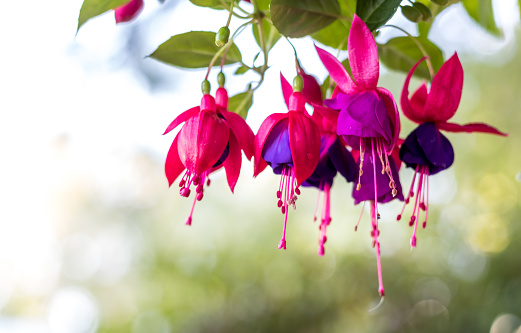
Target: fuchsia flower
[
  {"x": 368, "y": 120},
  {"x": 426, "y": 150},
  {"x": 290, "y": 144},
  {"x": 128, "y": 11},
  {"x": 212, "y": 137},
  {"x": 334, "y": 156}
]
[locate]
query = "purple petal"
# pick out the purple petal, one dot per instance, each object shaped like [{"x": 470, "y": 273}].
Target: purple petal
[
  {"x": 342, "y": 160},
  {"x": 428, "y": 147},
  {"x": 277, "y": 150}
]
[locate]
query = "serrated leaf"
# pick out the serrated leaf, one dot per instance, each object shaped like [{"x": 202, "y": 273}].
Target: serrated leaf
[
  {"x": 241, "y": 103},
  {"x": 376, "y": 13},
  {"x": 241, "y": 70},
  {"x": 271, "y": 35},
  {"x": 482, "y": 12},
  {"x": 299, "y": 18},
  {"x": 402, "y": 53},
  {"x": 92, "y": 8},
  {"x": 193, "y": 49}
]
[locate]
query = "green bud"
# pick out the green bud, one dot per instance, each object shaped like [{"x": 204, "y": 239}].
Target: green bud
[
  {"x": 424, "y": 10},
  {"x": 440, "y": 2},
  {"x": 205, "y": 87},
  {"x": 221, "y": 79},
  {"x": 412, "y": 14},
  {"x": 298, "y": 83},
  {"x": 221, "y": 38}
]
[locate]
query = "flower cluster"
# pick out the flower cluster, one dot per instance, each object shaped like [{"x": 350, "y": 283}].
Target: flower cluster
[{"x": 355, "y": 133}]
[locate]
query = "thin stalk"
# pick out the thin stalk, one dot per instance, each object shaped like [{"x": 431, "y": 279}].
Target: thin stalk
[
  {"x": 231, "y": 12},
  {"x": 419, "y": 45}
]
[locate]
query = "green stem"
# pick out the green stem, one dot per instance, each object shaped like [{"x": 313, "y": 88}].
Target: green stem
[
  {"x": 231, "y": 13},
  {"x": 217, "y": 54},
  {"x": 419, "y": 45}
]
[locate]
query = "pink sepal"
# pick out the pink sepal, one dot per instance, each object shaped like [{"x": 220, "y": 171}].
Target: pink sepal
[
  {"x": 287, "y": 89},
  {"x": 469, "y": 128},
  {"x": 173, "y": 165},
  {"x": 363, "y": 55},
  {"x": 394, "y": 115},
  {"x": 297, "y": 102},
  {"x": 260, "y": 139},
  {"x": 128, "y": 11},
  {"x": 182, "y": 118},
  {"x": 410, "y": 110},
  {"x": 241, "y": 130},
  {"x": 304, "y": 142},
  {"x": 221, "y": 97},
  {"x": 337, "y": 71},
  {"x": 232, "y": 163}
]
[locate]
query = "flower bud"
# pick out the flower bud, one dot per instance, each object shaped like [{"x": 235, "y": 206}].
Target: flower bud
[
  {"x": 412, "y": 14},
  {"x": 221, "y": 38},
  {"x": 221, "y": 79}
]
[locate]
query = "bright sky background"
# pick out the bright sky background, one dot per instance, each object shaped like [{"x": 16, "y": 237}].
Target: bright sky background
[{"x": 56, "y": 86}]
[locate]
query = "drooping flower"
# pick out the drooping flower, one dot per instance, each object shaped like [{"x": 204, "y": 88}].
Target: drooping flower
[
  {"x": 334, "y": 156},
  {"x": 211, "y": 137},
  {"x": 128, "y": 11},
  {"x": 290, "y": 144},
  {"x": 426, "y": 150},
  {"x": 368, "y": 120}
]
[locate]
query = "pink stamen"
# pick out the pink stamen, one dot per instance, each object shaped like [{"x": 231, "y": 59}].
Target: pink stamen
[
  {"x": 189, "y": 220},
  {"x": 374, "y": 222},
  {"x": 320, "y": 186},
  {"x": 360, "y": 217},
  {"x": 416, "y": 210},
  {"x": 409, "y": 195},
  {"x": 426, "y": 196},
  {"x": 326, "y": 218}
]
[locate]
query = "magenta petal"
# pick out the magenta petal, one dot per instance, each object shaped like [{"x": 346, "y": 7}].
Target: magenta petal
[
  {"x": 202, "y": 141},
  {"x": 419, "y": 98},
  {"x": 445, "y": 95},
  {"x": 128, "y": 11},
  {"x": 182, "y": 118},
  {"x": 287, "y": 89},
  {"x": 260, "y": 139},
  {"x": 337, "y": 71},
  {"x": 241, "y": 130},
  {"x": 470, "y": 128},
  {"x": 311, "y": 90},
  {"x": 394, "y": 116},
  {"x": 408, "y": 108},
  {"x": 232, "y": 164},
  {"x": 363, "y": 55},
  {"x": 304, "y": 140},
  {"x": 173, "y": 165}
]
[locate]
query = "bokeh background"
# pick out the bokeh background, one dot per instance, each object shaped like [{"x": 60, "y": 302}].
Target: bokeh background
[{"x": 93, "y": 240}]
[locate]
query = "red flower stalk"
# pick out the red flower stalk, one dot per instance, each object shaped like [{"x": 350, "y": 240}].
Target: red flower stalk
[
  {"x": 128, "y": 11},
  {"x": 290, "y": 144},
  {"x": 426, "y": 150},
  {"x": 211, "y": 137}
]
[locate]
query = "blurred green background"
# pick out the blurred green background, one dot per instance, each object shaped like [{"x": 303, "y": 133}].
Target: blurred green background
[{"x": 110, "y": 251}]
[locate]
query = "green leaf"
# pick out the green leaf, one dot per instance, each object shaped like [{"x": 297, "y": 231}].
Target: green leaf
[
  {"x": 376, "y": 13},
  {"x": 271, "y": 35},
  {"x": 481, "y": 11},
  {"x": 241, "y": 103},
  {"x": 92, "y": 8},
  {"x": 241, "y": 70},
  {"x": 214, "y": 4},
  {"x": 193, "y": 49},
  {"x": 336, "y": 34},
  {"x": 263, "y": 4},
  {"x": 402, "y": 53},
  {"x": 299, "y": 18}
]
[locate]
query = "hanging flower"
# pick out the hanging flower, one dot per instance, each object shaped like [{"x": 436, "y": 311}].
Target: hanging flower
[
  {"x": 368, "y": 120},
  {"x": 128, "y": 11},
  {"x": 211, "y": 137},
  {"x": 334, "y": 156},
  {"x": 290, "y": 144},
  {"x": 426, "y": 150}
]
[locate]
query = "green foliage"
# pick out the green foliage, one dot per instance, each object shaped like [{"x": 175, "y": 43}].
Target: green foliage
[
  {"x": 402, "y": 53},
  {"x": 92, "y": 8},
  {"x": 481, "y": 12},
  {"x": 214, "y": 4},
  {"x": 412, "y": 14},
  {"x": 376, "y": 13},
  {"x": 241, "y": 103},
  {"x": 193, "y": 49},
  {"x": 335, "y": 35},
  {"x": 271, "y": 35},
  {"x": 299, "y": 18}
]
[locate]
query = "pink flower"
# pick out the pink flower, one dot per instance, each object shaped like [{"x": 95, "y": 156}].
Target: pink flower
[
  {"x": 211, "y": 137},
  {"x": 368, "y": 118},
  {"x": 128, "y": 11},
  {"x": 290, "y": 144},
  {"x": 426, "y": 150}
]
